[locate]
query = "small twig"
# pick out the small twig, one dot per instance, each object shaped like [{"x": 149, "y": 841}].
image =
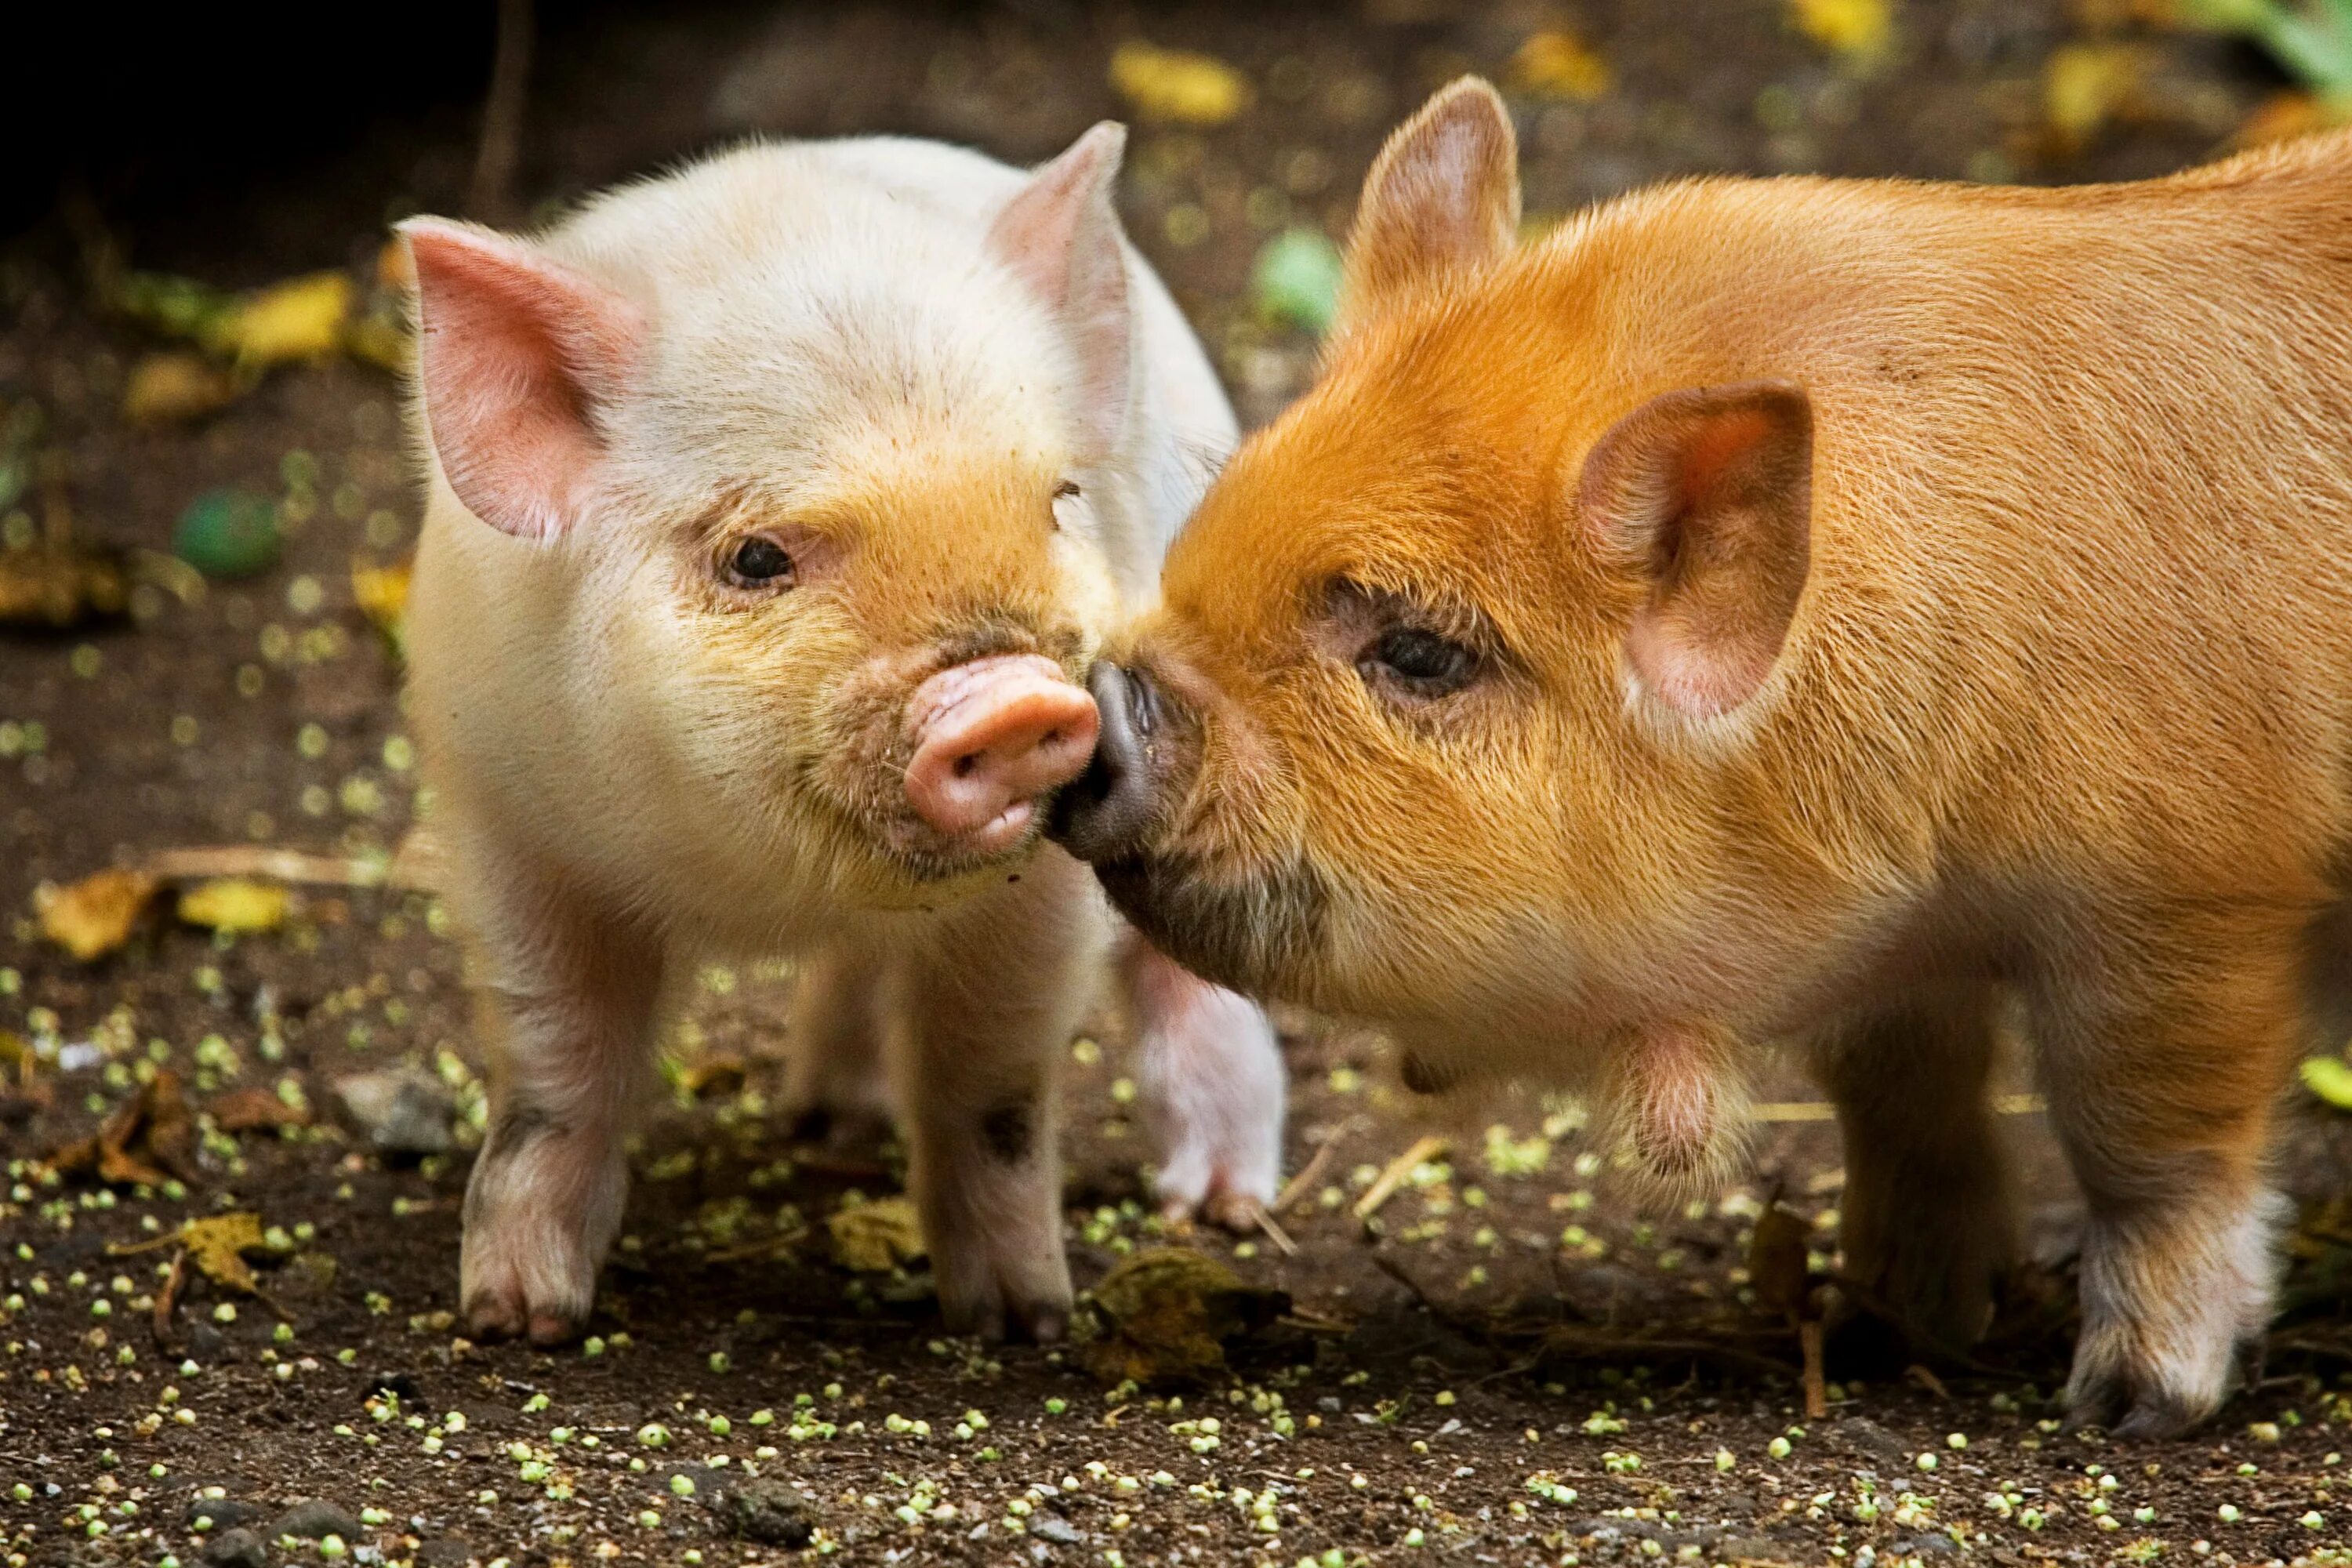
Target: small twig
[
  {"x": 1263, "y": 1217},
  {"x": 1383, "y": 1188},
  {"x": 1809, "y": 1346},
  {"x": 501, "y": 142},
  {"x": 1925, "y": 1378},
  {"x": 167, "y": 1299},
  {"x": 195, "y": 863},
  {"x": 1300, "y": 1185},
  {"x": 760, "y": 1248}
]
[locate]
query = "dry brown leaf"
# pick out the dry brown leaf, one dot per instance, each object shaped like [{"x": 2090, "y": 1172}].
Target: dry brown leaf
[
  {"x": 1178, "y": 85},
  {"x": 47, "y": 586},
  {"x": 2284, "y": 116},
  {"x": 235, "y": 904},
  {"x": 1166, "y": 1312},
  {"x": 718, "y": 1072},
  {"x": 251, "y": 1109},
  {"x": 172, "y": 387},
  {"x": 1560, "y": 65},
  {"x": 95, "y": 915},
  {"x": 876, "y": 1237},
  {"x": 147, "y": 1140}
]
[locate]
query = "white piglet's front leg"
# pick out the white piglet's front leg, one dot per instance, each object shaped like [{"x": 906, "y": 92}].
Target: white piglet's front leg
[
  {"x": 1211, "y": 1086},
  {"x": 985, "y": 1006},
  {"x": 566, "y": 1005}
]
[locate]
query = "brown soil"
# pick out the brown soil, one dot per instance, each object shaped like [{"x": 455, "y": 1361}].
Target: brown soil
[{"x": 1510, "y": 1365}]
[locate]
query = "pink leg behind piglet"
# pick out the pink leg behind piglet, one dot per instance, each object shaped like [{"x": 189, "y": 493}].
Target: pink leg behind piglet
[{"x": 1212, "y": 1078}]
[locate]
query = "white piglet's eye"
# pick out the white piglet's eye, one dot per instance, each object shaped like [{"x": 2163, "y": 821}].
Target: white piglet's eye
[{"x": 759, "y": 561}]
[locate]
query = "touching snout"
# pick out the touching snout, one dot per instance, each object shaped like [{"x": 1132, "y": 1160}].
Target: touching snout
[
  {"x": 993, "y": 737},
  {"x": 1106, "y": 808}
]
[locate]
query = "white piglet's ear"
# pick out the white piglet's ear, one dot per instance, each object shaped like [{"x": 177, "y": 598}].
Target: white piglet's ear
[
  {"x": 1060, "y": 235},
  {"x": 1705, "y": 497},
  {"x": 516, "y": 352}
]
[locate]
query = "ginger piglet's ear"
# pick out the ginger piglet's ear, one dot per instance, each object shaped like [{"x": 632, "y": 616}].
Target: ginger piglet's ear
[
  {"x": 1060, "y": 235},
  {"x": 515, "y": 353},
  {"x": 1706, "y": 494},
  {"x": 1443, "y": 198}
]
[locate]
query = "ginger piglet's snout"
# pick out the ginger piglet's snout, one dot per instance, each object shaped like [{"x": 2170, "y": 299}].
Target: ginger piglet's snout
[
  {"x": 1103, "y": 811},
  {"x": 993, "y": 737}
]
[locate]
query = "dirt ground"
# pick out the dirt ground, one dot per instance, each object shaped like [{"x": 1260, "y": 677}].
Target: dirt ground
[{"x": 1504, "y": 1364}]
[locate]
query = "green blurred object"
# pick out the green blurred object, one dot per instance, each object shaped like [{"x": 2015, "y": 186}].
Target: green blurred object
[
  {"x": 229, "y": 533},
  {"x": 2329, "y": 1078},
  {"x": 2312, "y": 38},
  {"x": 1297, "y": 278}
]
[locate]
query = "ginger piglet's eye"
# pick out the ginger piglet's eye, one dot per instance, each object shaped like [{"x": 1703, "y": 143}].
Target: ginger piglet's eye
[
  {"x": 759, "y": 561},
  {"x": 1422, "y": 662}
]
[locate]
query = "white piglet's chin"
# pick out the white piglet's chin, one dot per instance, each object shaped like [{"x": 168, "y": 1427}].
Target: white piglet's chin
[{"x": 776, "y": 509}]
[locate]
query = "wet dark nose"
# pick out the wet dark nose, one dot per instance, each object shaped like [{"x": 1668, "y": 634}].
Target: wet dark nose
[{"x": 1101, "y": 813}]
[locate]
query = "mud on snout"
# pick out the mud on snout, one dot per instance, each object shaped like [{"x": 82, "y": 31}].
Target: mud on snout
[{"x": 946, "y": 760}]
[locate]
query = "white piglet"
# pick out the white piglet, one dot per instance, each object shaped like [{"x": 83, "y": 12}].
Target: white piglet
[{"x": 777, "y": 508}]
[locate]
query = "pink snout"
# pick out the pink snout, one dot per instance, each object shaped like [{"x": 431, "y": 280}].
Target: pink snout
[{"x": 991, "y": 737}]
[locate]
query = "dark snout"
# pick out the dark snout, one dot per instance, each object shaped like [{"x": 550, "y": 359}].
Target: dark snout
[{"x": 1103, "y": 813}]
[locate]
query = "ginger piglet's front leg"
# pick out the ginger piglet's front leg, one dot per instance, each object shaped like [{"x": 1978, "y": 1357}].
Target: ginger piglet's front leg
[{"x": 2163, "y": 1052}]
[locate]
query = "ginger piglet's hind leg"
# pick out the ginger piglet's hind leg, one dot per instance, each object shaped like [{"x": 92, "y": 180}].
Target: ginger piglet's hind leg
[
  {"x": 1928, "y": 1226},
  {"x": 836, "y": 1086},
  {"x": 567, "y": 1006},
  {"x": 1210, "y": 1073},
  {"x": 986, "y": 1005},
  {"x": 2164, "y": 1050}
]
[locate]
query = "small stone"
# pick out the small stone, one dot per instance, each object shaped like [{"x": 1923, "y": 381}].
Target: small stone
[
  {"x": 398, "y": 1112},
  {"x": 769, "y": 1512},
  {"x": 1927, "y": 1545},
  {"x": 1052, "y": 1526},
  {"x": 226, "y": 1512},
  {"x": 444, "y": 1552},
  {"x": 313, "y": 1518},
  {"x": 235, "y": 1549}
]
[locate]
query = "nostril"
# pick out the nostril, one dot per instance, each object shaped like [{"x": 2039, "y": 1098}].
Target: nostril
[{"x": 966, "y": 763}]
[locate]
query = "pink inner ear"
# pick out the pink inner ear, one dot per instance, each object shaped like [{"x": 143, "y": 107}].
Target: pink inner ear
[
  {"x": 1060, "y": 235},
  {"x": 516, "y": 352},
  {"x": 1707, "y": 493}
]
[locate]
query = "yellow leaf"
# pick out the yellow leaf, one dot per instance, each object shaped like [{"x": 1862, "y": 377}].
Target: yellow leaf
[
  {"x": 234, "y": 904},
  {"x": 95, "y": 916},
  {"x": 1178, "y": 85},
  {"x": 876, "y": 1237},
  {"x": 1167, "y": 1313},
  {"x": 382, "y": 592},
  {"x": 300, "y": 319},
  {"x": 217, "y": 1244},
  {"x": 1559, "y": 65},
  {"x": 379, "y": 339},
  {"x": 2329, "y": 1078},
  {"x": 2284, "y": 116},
  {"x": 166, "y": 388},
  {"x": 1859, "y": 29},
  {"x": 2084, "y": 85}
]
